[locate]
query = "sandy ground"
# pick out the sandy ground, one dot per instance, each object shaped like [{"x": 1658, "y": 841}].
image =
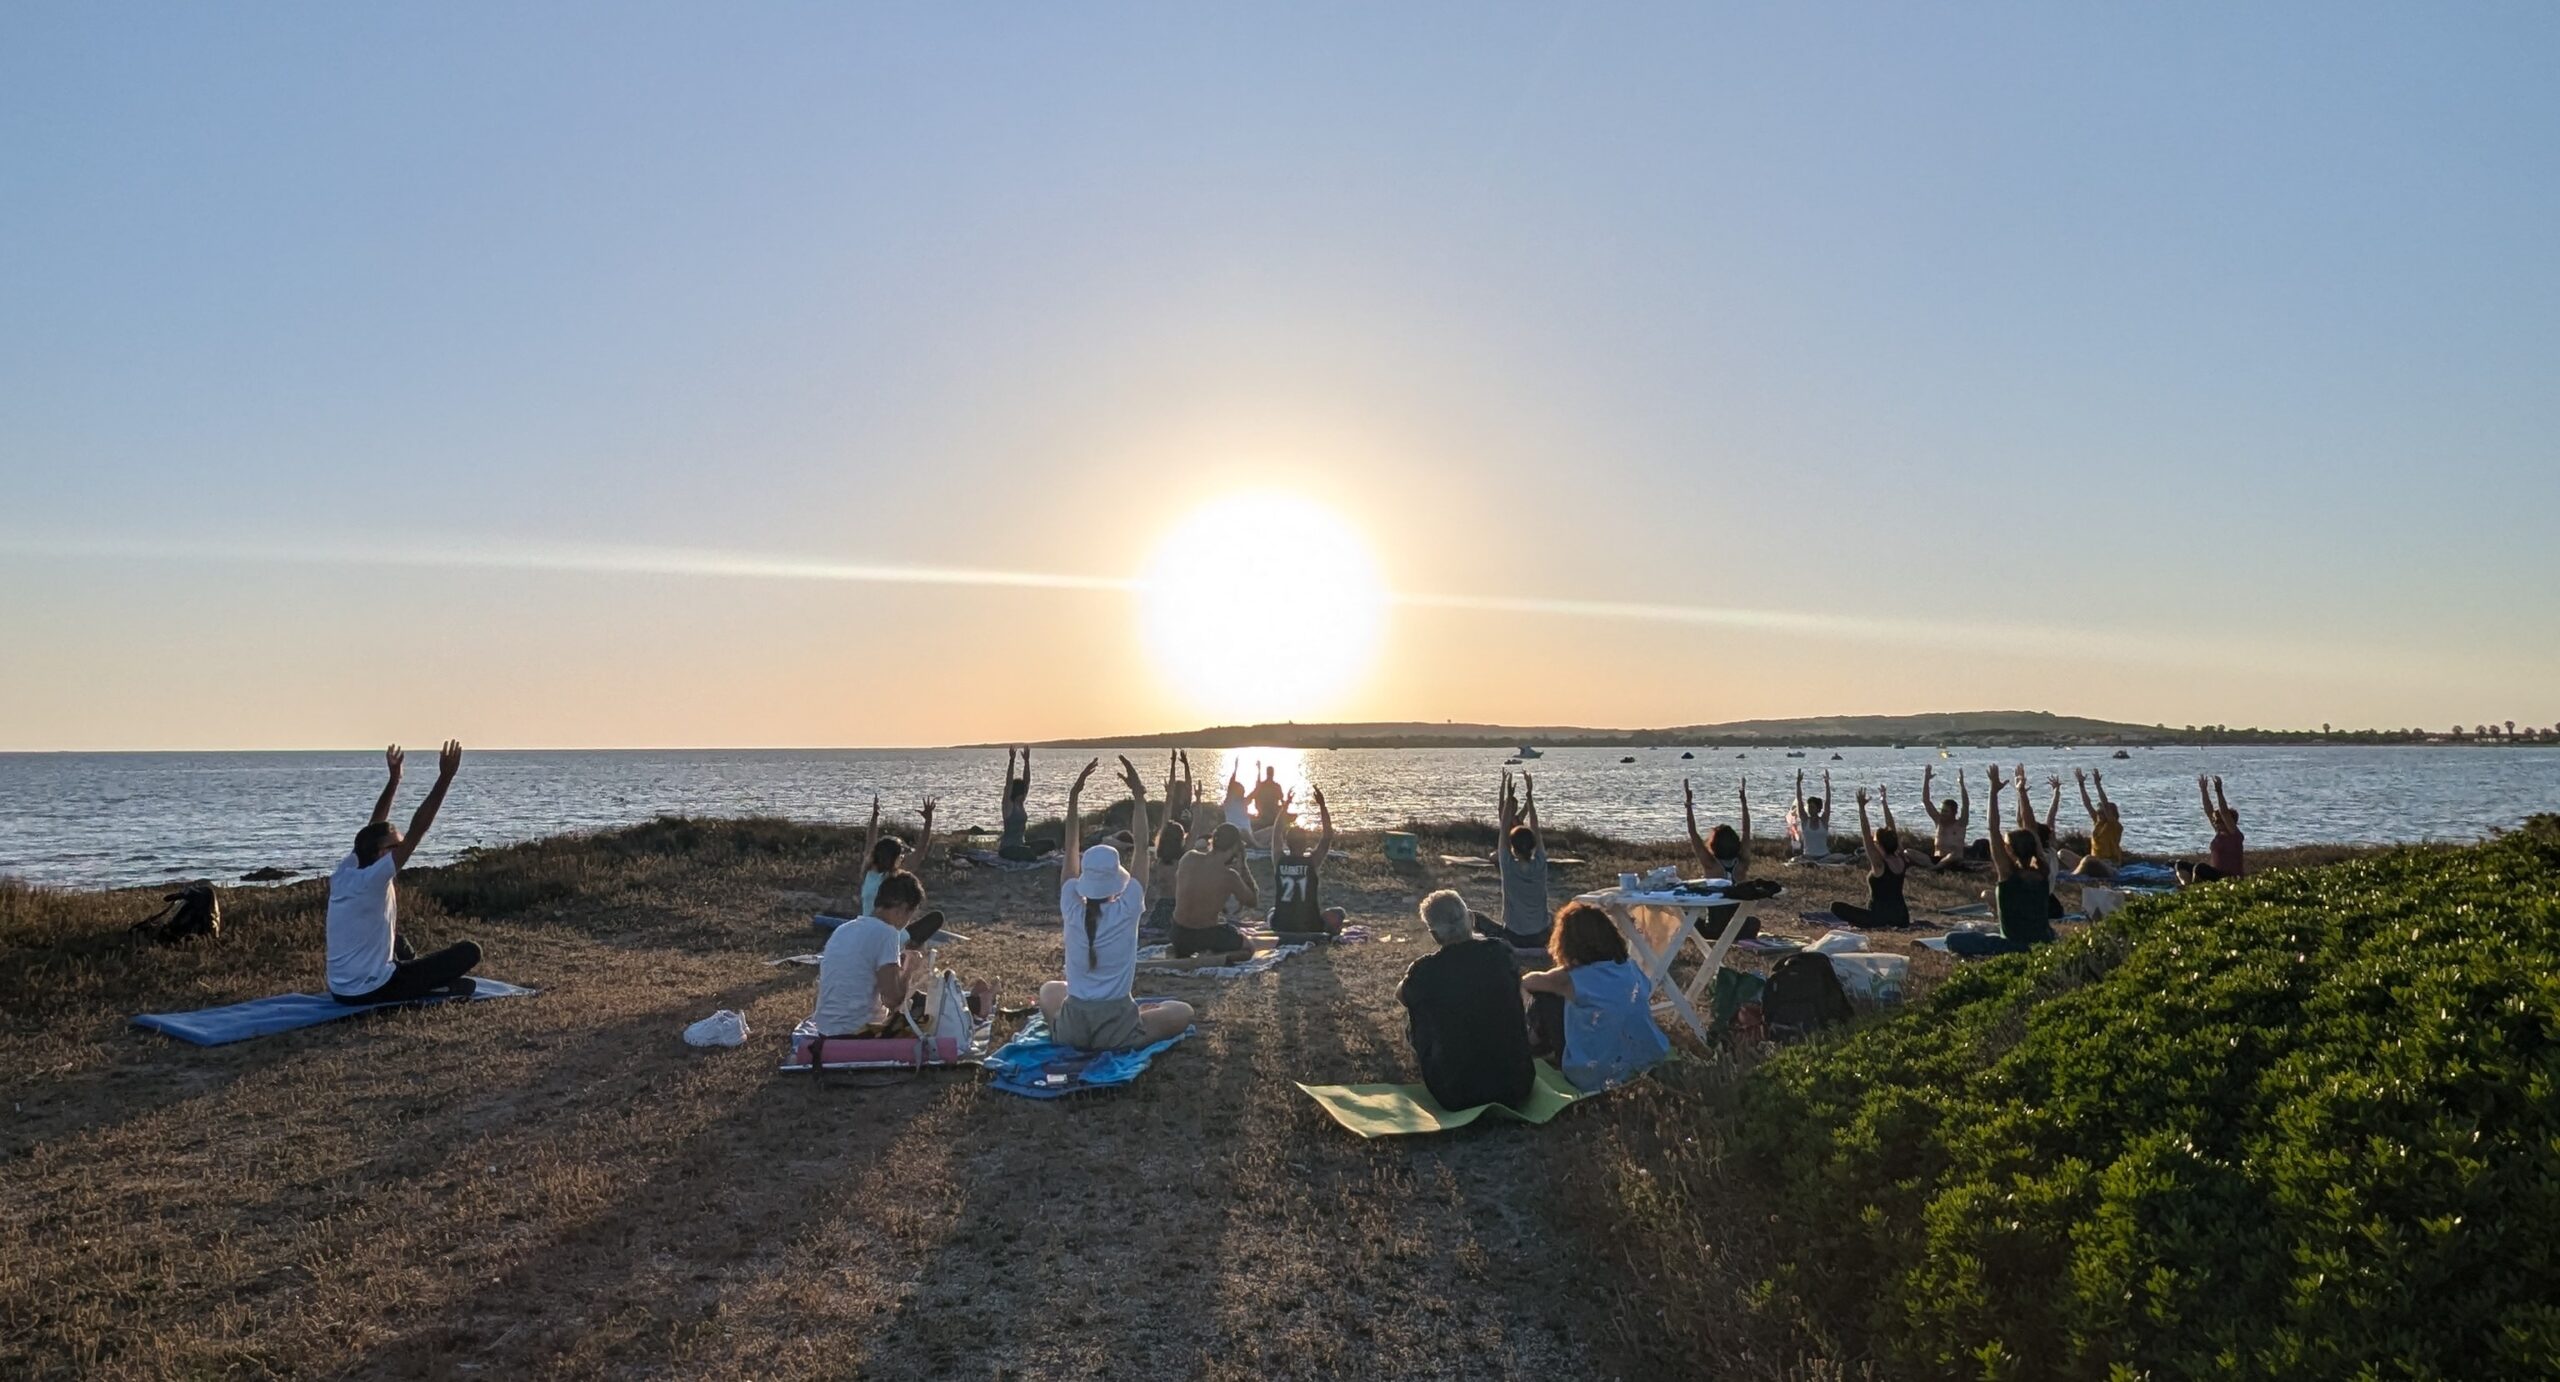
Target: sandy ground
[{"x": 558, "y": 1186}]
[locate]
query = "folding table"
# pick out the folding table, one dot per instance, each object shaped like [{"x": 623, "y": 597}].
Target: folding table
[{"x": 1657, "y": 925}]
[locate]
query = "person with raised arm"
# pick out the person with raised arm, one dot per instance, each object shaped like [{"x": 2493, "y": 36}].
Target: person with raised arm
[
  {"x": 2227, "y": 856},
  {"x": 2022, "y": 890},
  {"x": 1886, "y": 869},
  {"x": 1013, "y": 841},
  {"x": 1298, "y": 912},
  {"x": 1206, "y": 881},
  {"x": 1101, "y": 903},
  {"x": 884, "y": 854},
  {"x": 2106, "y": 828},
  {"x": 1722, "y": 853},
  {"x": 369, "y": 961},
  {"x": 1520, "y": 857},
  {"x": 1811, "y": 822},
  {"x": 1178, "y": 787},
  {"x": 1953, "y": 819},
  {"x": 1236, "y": 810}
]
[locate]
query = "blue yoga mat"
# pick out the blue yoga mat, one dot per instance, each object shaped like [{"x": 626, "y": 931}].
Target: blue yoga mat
[
  {"x": 285, "y": 1011},
  {"x": 1025, "y": 1064}
]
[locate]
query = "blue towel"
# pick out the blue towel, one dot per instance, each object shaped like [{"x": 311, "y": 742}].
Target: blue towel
[
  {"x": 285, "y": 1011},
  {"x": 1022, "y": 1066},
  {"x": 2144, "y": 871}
]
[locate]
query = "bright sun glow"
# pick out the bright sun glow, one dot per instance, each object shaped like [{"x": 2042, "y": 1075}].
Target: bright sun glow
[{"x": 1263, "y": 607}]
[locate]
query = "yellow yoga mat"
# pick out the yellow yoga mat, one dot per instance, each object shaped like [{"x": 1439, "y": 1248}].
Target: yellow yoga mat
[{"x": 1394, "y": 1110}]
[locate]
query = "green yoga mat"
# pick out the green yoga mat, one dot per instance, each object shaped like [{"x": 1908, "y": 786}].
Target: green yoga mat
[{"x": 1391, "y": 1110}]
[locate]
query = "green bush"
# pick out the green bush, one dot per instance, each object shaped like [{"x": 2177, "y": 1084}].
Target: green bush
[{"x": 2305, "y": 1125}]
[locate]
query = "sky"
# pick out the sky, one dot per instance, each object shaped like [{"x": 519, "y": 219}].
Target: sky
[{"x": 640, "y": 375}]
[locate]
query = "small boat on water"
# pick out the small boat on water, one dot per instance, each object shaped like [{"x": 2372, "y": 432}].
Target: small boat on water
[
  {"x": 2122, "y": 754},
  {"x": 1528, "y": 752},
  {"x": 1795, "y": 753},
  {"x": 1688, "y": 755},
  {"x": 1630, "y": 758},
  {"x": 1511, "y": 762},
  {"x": 1835, "y": 758}
]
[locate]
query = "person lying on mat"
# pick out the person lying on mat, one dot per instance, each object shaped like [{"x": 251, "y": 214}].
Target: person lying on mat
[
  {"x": 2106, "y": 829},
  {"x": 1886, "y": 869},
  {"x": 1205, "y": 881},
  {"x": 1013, "y": 840},
  {"x": 1298, "y": 912},
  {"x": 369, "y": 960},
  {"x": 2225, "y": 857},
  {"x": 1722, "y": 853},
  {"x": 1462, "y": 1009},
  {"x": 2021, "y": 896},
  {"x": 1100, "y": 903},
  {"x": 1953, "y": 818},
  {"x": 1812, "y": 820},
  {"x": 1593, "y": 1012},
  {"x": 885, "y": 854},
  {"x": 1521, "y": 858},
  {"x": 866, "y": 971}
]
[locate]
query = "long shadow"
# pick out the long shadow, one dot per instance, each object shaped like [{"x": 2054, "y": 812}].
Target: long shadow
[{"x": 764, "y": 1173}]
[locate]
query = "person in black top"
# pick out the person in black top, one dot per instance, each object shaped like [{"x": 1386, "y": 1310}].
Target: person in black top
[
  {"x": 1887, "y": 866},
  {"x": 1297, "y": 879},
  {"x": 1470, "y": 1036}
]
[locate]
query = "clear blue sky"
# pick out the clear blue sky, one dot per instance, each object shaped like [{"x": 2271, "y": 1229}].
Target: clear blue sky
[{"x": 2224, "y": 339}]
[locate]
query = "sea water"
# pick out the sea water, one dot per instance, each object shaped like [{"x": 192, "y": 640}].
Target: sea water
[{"x": 96, "y": 819}]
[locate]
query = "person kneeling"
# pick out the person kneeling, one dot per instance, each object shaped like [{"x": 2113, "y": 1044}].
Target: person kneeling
[
  {"x": 369, "y": 960},
  {"x": 1100, "y": 903},
  {"x": 1593, "y": 1012},
  {"x": 1462, "y": 1004}
]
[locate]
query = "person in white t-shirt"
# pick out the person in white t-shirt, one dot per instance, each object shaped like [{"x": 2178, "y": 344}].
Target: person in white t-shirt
[
  {"x": 1091, "y": 1009},
  {"x": 865, "y": 971},
  {"x": 369, "y": 960}
]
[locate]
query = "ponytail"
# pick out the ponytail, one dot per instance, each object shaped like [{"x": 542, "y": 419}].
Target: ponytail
[{"x": 1092, "y": 920}]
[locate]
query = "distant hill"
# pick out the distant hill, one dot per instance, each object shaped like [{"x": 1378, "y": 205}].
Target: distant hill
[{"x": 1960, "y": 727}]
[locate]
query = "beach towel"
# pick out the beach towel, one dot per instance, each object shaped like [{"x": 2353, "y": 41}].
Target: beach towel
[
  {"x": 1035, "y": 1067},
  {"x": 2143, "y": 871},
  {"x": 284, "y": 1012},
  {"x": 1159, "y": 959},
  {"x": 1396, "y": 1110}
]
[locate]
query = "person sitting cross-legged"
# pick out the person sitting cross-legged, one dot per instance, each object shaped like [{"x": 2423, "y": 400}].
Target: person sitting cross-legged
[
  {"x": 2022, "y": 898},
  {"x": 865, "y": 971},
  {"x": 1101, "y": 903},
  {"x": 1520, "y": 857},
  {"x": 1462, "y": 1007},
  {"x": 1593, "y": 1012},
  {"x": 369, "y": 960},
  {"x": 1298, "y": 912}
]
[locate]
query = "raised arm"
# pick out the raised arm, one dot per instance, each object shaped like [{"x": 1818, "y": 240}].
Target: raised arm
[
  {"x": 1964, "y": 798},
  {"x": 1884, "y": 798},
  {"x": 1005, "y": 797},
  {"x": 2219, "y": 797},
  {"x": 2099, "y": 777},
  {"x": 448, "y": 762},
  {"x": 1324, "y": 827},
  {"x": 1689, "y": 808},
  {"x": 2026, "y": 804},
  {"x": 2082, "y": 777},
  {"x": 1529, "y": 809},
  {"x": 1742, "y": 793},
  {"x": 1800, "y": 794},
  {"x": 1867, "y": 832},
  {"x": 2003, "y": 863},
  {"x": 1071, "y": 857},
  {"x": 2053, "y": 804},
  {"x": 925, "y": 844},
  {"x": 2204, "y": 793},
  {"x": 871, "y": 833},
  {"x": 391, "y": 760},
  {"x": 1830, "y": 803},
  {"x": 1928, "y": 793},
  {"x": 1138, "y": 829}
]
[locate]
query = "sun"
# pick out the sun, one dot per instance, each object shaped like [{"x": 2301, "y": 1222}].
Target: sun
[{"x": 1263, "y": 606}]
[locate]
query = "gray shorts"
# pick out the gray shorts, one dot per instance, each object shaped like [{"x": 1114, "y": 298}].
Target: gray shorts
[{"x": 1099, "y": 1024}]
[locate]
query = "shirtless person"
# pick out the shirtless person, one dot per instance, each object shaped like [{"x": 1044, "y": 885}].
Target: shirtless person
[
  {"x": 1952, "y": 817},
  {"x": 1206, "y": 880}
]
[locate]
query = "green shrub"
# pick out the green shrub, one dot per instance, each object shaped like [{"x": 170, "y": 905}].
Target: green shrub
[{"x": 2305, "y": 1125}]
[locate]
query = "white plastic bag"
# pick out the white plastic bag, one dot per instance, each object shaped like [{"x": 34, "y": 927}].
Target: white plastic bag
[
  {"x": 1872, "y": 975},
  {"x": 1839, "y": 943},
  {"x": 723, "y": 1028}
]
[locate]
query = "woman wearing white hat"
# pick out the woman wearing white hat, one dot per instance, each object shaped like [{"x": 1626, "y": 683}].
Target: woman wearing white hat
[{"x": 1101, "y": 904}]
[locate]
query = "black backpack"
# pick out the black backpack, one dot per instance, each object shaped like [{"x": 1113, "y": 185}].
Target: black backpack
[
  {"x": 192, "y": 911},
  {"x": 1803, "y": 997}
]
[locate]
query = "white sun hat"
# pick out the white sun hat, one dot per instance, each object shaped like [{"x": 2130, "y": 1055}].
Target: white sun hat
[{"x": 1101, "y": 877}]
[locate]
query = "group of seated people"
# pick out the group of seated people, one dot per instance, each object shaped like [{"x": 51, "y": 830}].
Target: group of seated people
[{"x": 1477, "y": 1022}]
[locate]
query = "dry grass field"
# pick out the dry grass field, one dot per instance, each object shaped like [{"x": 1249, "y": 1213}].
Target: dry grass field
[{"x": 559, "y": 1187}]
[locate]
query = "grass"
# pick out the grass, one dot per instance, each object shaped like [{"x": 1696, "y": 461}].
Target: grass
[{"x": 559, "y": 1186}]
